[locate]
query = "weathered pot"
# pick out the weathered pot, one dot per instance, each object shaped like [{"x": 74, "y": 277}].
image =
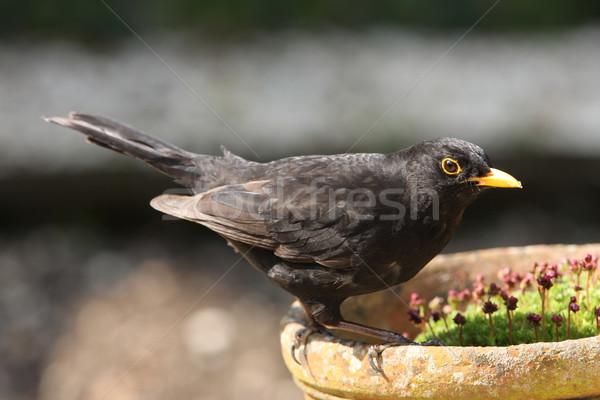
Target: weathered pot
[{"x": 333, "y": 369}]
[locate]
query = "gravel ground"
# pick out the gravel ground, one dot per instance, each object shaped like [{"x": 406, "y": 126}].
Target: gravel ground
[{"x": 87, "y": 317}]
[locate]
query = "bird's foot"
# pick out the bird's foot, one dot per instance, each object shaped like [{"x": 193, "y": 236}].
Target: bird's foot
[
  {"x": 432, "y": 342},
  {"x": 376, "y": 350},
  {"x": 300, "y": 340}
]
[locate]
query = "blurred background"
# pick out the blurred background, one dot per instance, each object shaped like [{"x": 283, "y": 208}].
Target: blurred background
[{"x": 100, "y": 298}]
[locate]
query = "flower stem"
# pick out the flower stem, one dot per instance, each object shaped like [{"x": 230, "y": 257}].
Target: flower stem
[
  {"x": 446, "y": 326},
  {"x": 543, "y": 295},
  {"x": 492, "y": 331},
  {"x": 587, "y": 288},
  {"x": 432, "y": 331},
  {"x": 569, "y": 324},
  {"x": 510, "y": 327}
]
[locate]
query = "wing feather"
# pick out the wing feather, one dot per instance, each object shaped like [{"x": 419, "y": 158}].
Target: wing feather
[{"x": 298, "y": 227}]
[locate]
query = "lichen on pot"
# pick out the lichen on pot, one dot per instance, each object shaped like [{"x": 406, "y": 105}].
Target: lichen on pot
[{"x": 332, "y": 368}]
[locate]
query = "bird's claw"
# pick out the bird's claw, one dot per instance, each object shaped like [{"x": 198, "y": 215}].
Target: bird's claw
[
  {"x": 299, "y": 340},
  {"x": 375, "y": 351},
  {"x": 374, "y": 355}
]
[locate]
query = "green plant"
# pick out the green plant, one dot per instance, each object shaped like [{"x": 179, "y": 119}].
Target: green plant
[{"x": 551, "y": 302}]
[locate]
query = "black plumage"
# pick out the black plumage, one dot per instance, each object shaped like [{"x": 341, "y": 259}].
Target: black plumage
[{"x": 324, "y": 228}]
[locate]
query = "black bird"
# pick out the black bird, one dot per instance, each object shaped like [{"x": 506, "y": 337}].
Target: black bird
[{"x": 325, "y": 227}]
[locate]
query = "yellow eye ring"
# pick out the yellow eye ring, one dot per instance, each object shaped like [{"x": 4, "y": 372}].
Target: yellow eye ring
[{"x": 450, "y": 166}]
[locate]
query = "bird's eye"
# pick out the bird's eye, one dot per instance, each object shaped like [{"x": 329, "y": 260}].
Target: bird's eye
[{"x": 450, "y": 166}]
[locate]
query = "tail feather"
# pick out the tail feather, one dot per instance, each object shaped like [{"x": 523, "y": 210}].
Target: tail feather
[{"x": 172, "y": 161}]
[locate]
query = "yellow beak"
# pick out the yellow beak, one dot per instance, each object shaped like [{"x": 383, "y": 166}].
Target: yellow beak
[{"x": 497, "y": 178}]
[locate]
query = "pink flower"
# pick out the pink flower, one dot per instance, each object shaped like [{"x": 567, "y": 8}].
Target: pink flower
[
  {"x": 459, "y": 319},
  {"x": 511, "y": 303},
  {"x": 489, "y": 307},
  {"x": 545, "y": 282},
  {"x": 414, "y": 316},
  {"x": 436, "y": 303},
  {"x": 478, "y": 290},
  {"x": 573, "y": 307},
  {"x": 557, "y": 319},
  {"x": 464, "y": 295},
  {"x": 527, "y": 282},
  {"x": 534, "y": 319},
  {"x": 493, "y": 289},
  {"x": 574, "y": 266},
  {"x": 416, "y": 300}
]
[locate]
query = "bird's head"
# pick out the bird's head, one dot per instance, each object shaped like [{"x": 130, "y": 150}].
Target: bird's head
[{"x": 455, "y": 166}]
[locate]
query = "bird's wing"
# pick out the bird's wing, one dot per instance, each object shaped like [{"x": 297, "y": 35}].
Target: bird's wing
[{"x": 300, "y": 222}]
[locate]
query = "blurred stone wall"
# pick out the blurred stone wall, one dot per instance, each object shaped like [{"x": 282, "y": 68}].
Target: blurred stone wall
[{"x": 314, "y": 93}]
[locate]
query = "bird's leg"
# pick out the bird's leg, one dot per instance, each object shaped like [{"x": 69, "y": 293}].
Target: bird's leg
[
  {"x": 300, "y": 340},
  {"x": 327, "y": 314},
  {"x": 389, "y": 338},
  {"x": 371, "y": 332},
  {"x": 302, "y": 335},
  {"x": 330, "y": 317}
]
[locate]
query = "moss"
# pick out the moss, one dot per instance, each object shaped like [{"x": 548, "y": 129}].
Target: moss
[{"x": 476, "y": 331}]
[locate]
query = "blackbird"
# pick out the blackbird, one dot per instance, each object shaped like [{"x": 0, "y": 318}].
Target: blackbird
[{"x": 322, "y": 227}]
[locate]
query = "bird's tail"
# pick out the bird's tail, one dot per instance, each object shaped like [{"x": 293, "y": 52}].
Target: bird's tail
[{"x": 172, "y": 161}]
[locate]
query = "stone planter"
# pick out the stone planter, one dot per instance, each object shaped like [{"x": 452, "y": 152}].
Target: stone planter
[{"x": 333, "y": 368}]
